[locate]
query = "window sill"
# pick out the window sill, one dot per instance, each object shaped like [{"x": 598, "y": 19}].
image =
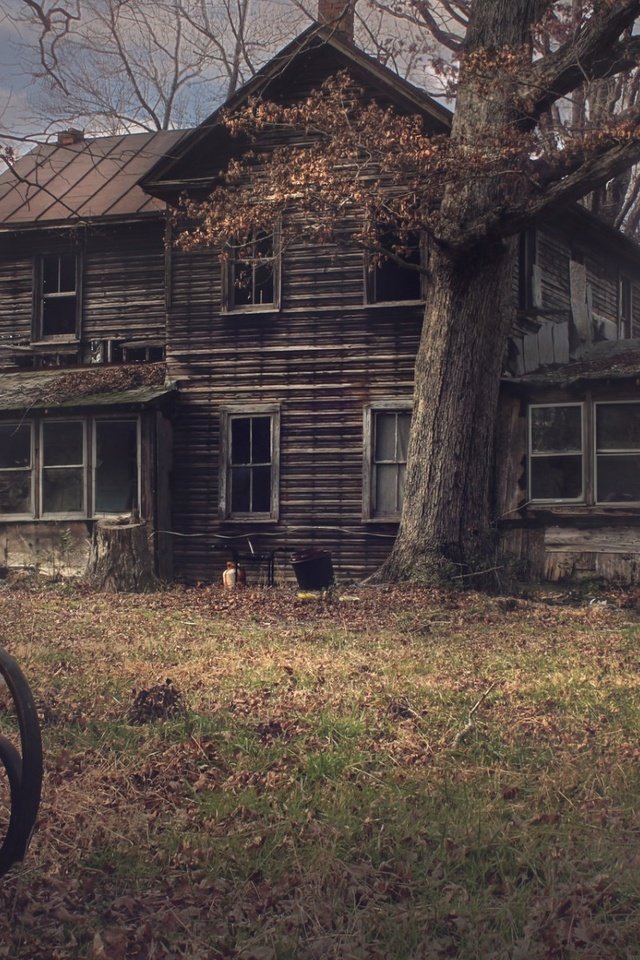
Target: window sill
[
  {"x": 395, "y": 520},
  {"x": 249, "y": 519},
  {"x": 395, "y": 303},
  {"x": 581, "y": 510},
  {"x": 50, "y": 342},
  {"x": 247, "y": 311}
]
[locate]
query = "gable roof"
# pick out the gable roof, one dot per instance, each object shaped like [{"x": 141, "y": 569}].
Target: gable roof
[
  {"x": 94, "y": 178},
  {"x": 298, "y": 61}
]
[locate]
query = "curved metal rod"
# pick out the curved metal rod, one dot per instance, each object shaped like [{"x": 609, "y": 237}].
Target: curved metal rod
[{"x": 24, "y": 771}]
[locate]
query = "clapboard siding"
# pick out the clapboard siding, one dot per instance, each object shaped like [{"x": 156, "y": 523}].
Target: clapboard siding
[
  {"x": 123, "y": 283},
  {"x": 320, "y": 365}
]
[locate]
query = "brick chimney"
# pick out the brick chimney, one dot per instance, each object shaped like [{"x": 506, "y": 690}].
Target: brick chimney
[
  {"x": 338, "y": 14},
  {"x": 66, "y": 138}
]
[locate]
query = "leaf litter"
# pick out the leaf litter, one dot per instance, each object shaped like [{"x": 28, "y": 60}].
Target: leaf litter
[{"x": 299, "y": 789}]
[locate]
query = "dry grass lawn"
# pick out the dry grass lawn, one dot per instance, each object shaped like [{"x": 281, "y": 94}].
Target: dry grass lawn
[{"x": 391, "y": 775}]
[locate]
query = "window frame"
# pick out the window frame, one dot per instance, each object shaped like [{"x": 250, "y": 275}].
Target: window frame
[
  {"x": 41, "y": 467},
  {"x": 604, "y": 403},
  {"x": 39, "y": 297},
  {"x": 370, "y": 412},
  {"x": 32, "y": 452},
  {"x": 531, "y": 455},
  {"x": 370, "y": 278},
  {"x": 89, "y": 437},
  {"x": 229, "y": 305},
  {"x": 94, "y": 460},
  {"x": 227, "y": 416}
]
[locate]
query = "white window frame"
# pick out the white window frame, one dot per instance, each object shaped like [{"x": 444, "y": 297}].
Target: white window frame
[
  {"x": 532, "y": 456},
  {"x": 64, "y": 514},
  {"x": 29, "y": 515},
  {"x": 94, "y": 459},
  {"x": 621, "y": 453},
  {"x": 227, "y": 415},
  {"x": 368, "y": 460}
]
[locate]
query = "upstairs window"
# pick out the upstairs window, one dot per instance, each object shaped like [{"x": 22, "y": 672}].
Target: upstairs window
[
  {"x": 617, "y": 452},
  {"x": 253, "y": 275},
  {"x": 57, "y": 301},
  {"x": 249, "y": 484},
  {"x": 386, "y": 444},
  {"x": 16, "y": 461},
  {"x": 556, "y": 470},
  {"x": 388, "y": 281}
]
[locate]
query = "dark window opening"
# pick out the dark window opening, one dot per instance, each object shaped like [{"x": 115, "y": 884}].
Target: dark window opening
[
  {"x": 250, "y": 465},
  {"x": 389, "y": 281},
  {"x": 58, "y": 296},
  {"x": 116, "y": 466},
  {"x": 252, "y": 273}
]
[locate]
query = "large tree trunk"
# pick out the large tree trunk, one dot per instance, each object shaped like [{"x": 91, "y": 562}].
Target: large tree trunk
[
  {"x": 446, "y": 517},
  {"x": 121, "y": 559},
  {"x": 447, "y": 511}
]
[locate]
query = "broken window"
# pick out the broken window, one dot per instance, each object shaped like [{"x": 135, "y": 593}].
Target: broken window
[
  {"x": 57, "y": 302},
  {"x": 617, "y": 454},
  {"x": 388, "y": 280},
  {"x": 386, "y": 443},
  {"x": 63, "y": 467},
  {"x": 252, "y": 275},
  {"x": 556, "y": 452},
  {"x": 16, "y": 497},
  {"x": 250, "y": 480},
  {"x": 115, "y": 466}
]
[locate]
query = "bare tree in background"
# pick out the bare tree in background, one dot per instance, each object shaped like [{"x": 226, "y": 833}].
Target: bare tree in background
[{"x": 116, "y": 65}]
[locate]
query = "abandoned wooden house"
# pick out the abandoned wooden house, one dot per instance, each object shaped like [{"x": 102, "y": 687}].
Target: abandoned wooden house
[
  {"x": 272, "y": 415},
  {"x": 83, "y": 386}
]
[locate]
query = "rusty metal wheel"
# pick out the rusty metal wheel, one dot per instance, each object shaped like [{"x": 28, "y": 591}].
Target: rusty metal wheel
[{"x": 21, "y": 757}]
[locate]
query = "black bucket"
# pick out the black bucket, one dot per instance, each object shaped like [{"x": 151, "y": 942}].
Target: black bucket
[{"x": 313, "y": 569}]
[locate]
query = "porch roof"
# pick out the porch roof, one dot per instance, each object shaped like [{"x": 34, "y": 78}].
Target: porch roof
[
  {"x": 609, "y": 360},
  {"x": 99, "y": 387}
]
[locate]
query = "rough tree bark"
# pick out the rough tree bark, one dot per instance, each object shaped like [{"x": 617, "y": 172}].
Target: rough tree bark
[
  {"x": 446, "y": 516},
  {"x": 121, "y": 559}
]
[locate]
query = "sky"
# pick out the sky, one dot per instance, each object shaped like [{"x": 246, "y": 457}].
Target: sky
[{"x": 275, "y": 23}]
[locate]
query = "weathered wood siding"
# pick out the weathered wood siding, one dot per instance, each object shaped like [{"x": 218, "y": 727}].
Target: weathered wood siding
[
  {"x": 322, "y": 357},
  {"x": 123, "y": 283}
]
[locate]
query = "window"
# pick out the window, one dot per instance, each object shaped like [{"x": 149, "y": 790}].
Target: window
[
  {"x": 249, "y": 482},
  {"x": 556, "y": 452},
  {"x": 386, "y": 433},
  {"x": 115, "y": 466},
  {"x": 388, "y": 281},
  {"x": 16, "y": 458},
  {"x": 617, "y": 452},
  {"x": 50, "y": 479},
  {"x": 57, "y": 300},
  {"x": 63, "y": 467},
  {"x": 253, "y": 275},
  {"x": 625, "y": 308}
]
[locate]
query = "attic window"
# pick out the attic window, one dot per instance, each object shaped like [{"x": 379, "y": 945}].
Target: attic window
[
  {"x": 387, "y": 280},
  {"x": 253, "y": 274},
  {"x": 57, "y": 300}
]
